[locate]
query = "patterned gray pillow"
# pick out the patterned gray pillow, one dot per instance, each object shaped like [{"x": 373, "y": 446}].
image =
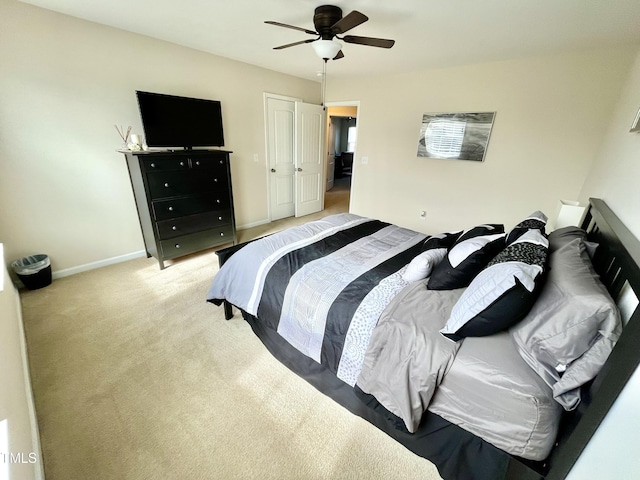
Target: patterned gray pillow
[{"x": 537, "y": 220}]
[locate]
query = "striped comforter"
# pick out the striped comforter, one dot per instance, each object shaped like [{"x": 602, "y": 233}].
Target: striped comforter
[{"x": 322, "y": 285}]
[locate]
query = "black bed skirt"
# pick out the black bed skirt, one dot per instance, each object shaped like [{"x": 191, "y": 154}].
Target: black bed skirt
[{"x": 456, "y": 453}]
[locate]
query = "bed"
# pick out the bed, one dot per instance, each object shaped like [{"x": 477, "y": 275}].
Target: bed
[{"x": 444, "y": 342}]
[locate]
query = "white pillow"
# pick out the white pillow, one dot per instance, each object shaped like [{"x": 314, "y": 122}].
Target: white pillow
[{"x": 421, "y": 265}]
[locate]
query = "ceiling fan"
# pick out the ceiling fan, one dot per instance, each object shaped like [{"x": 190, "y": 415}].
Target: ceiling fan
[{"x": 329, "y": 23}]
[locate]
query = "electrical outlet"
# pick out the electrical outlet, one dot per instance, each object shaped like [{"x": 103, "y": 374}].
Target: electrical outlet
[
  {"x": 423, "y": 215},
  {"x": 365, "y": 160}
]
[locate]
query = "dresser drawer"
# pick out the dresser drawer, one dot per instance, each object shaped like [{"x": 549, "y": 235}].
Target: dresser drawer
[
  {"x": 210, "y": 163},
  {"x": 194, "y": 242},
  {"x": 154, "y": 164},
  {"x": 174, "y": 183},
  {"x": 176, "y": 227},
  {"x": 190, "y": 205}
]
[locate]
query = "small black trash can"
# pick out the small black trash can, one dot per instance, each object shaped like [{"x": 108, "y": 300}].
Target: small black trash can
[{"x": 33, "y": 271}]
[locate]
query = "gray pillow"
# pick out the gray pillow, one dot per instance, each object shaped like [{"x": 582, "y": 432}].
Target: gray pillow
[
  {"x": 560, "y": 237},
  {"x": 573, "y": 326}
]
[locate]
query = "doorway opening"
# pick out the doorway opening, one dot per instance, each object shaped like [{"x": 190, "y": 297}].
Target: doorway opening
[{"x": 342, "y": 136}]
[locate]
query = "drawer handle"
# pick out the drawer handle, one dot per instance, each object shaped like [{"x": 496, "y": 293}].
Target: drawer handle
[
  {"x": 177, "y": 245},
  {"x": 217, "y": 200},
  {"x": 182, "y": 164},
  {"x": 198, "y": 162},
  {"x": 166, "y": 185},
  {"x": 215, "y": 180},
  {"x": 153, "y": 165},
  {"x": 221, "y": 234},
  {"x": 219, "y": 218},
  {"x": 174, "y": 228},
  {"x": 171, "y": 209},
  {"x": 221, "y": 162}
]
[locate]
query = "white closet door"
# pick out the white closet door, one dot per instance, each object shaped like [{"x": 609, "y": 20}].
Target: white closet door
[
  {"x": 309, "y": 158},
  {"x": 281, "y": 157}
]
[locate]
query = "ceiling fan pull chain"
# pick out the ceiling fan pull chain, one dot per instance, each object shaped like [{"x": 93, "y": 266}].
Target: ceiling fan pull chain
[{"x": 324, "y": 82}]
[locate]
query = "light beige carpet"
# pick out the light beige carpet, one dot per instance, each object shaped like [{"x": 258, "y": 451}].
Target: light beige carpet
[{"x": 136, "y": 377}]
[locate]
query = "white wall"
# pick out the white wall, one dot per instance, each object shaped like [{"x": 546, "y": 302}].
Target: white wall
[
  {"x": 616, "y": 172},
  {"x": 552, "y": 115},
  {"x": 18, "y": 430},
  {"x": 612, "y": 453},
  {"x": 65, "y": 82}
]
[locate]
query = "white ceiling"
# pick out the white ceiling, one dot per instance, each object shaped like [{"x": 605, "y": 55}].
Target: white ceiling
[{"x": 428, "y": 33}]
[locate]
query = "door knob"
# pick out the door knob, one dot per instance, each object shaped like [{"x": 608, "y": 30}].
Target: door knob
[
  {"x": 299, "y": 169},
  {"x": 273, "y": 170}
]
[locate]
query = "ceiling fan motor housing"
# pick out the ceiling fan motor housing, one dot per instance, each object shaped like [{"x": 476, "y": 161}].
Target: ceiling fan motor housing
[
  {"x": 325, "y": 17},
  {"x": 329, "y": 23}
]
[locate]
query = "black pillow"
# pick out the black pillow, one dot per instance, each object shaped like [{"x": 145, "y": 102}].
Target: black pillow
[
  {"x": 442, "y": 240},
  {"x": 504, "y": 292},
  {"x": 468, "y": 256}
]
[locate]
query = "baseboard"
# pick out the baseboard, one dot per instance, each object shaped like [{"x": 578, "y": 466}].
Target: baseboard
[
  {"x": 38, "y": 467},
  {"x": 253, "y": 224},
  {"x": 100, "y": 263},
  {"x": 129, "y": 256}
]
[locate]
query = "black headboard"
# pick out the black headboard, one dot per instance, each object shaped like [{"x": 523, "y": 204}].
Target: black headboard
[{"x": 617, "y": 261}]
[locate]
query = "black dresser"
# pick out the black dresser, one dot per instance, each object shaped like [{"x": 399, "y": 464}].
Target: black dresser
[{"x": 184, "y": 200}]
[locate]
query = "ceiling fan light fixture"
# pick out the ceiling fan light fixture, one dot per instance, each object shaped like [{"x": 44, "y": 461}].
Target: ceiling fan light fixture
[{"x": 326, "y": 49}]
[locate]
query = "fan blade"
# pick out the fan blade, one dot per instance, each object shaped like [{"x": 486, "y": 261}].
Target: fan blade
[
  {"x": 294, "y": 44},
  {"x": 339, "y": 55},
  {"x": 352, "y": 20},
  {"x": 372, "y": 42},
  {"x": 278, "y": 24}
]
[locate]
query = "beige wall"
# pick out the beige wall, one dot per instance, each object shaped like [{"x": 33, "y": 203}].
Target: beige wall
[
  {"x": 615, "y": 176},
  {"x": 17, "y": 417},
  {"x": 552, "y": 114},
  {"x": 613, "y": 450},
  {"x": 64, "y": 190}
]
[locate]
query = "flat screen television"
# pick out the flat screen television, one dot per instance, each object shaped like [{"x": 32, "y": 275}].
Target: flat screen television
[{"x": 172, "y": 121}]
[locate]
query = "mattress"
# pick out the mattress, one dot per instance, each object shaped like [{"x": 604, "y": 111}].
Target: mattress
[{"x": 491, "y": 392}]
